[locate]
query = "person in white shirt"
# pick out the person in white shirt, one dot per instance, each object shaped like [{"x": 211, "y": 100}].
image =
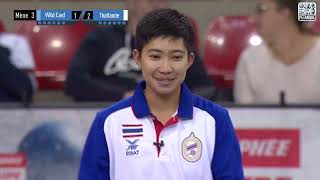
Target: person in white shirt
[
  {"x": 21, "y": 55},
  {"x": 17, "y": 68},
  {"x": 286, "y": 66}
]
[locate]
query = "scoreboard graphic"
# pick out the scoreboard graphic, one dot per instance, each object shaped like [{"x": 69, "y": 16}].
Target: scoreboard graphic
[{"x": 64, "y": 17}]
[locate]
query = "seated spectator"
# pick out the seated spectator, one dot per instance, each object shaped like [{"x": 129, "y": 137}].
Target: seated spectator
[
  {"x": 286, "y": 67},
  {"x": 14, "y": 83},
  {"x": 103, "y": 69},
  {"x": 17, "y": 82}
]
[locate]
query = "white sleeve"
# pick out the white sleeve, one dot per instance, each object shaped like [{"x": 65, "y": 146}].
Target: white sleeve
[
  {"x": 22, "y": 54},
  {"x": 243, "y": 92}
]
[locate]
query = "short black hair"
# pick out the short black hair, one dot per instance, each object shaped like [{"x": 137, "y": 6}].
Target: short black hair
[{"x": 164, "y": 23}]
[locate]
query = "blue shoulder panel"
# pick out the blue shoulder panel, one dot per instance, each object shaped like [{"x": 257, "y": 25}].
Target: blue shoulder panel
[
  {"x": 226, "y": 163},
  {"x": 95, "y": 156}
]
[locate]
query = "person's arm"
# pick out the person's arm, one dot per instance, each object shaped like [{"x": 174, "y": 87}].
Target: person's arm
[
  {"x": 95, "y": 156},
  {"x": 226, "y": 162},
  {"x": 243, "y": 92},
  {"x": 81, "y": 82},
  {"x": 198, "y": 80},
  {"x": 22, "y": 57}
]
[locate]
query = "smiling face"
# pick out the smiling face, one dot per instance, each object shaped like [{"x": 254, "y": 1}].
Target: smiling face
[{"x": 164, "y": 62}]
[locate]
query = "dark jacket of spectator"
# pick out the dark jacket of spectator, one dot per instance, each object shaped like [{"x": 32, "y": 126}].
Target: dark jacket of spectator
[{"x": 15, "y": 85}]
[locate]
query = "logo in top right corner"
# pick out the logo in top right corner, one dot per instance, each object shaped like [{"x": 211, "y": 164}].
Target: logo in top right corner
[{"x": 307, "y": 11}]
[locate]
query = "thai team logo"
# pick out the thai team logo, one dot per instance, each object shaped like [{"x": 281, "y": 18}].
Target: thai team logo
[
  {"x": 132, "y": 134},
  {"x": 191, "y": 148},
  {"x": 132, "y": 148}
]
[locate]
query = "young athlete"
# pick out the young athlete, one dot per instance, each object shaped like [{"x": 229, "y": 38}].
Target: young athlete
[{"x": 163, "y": 131}]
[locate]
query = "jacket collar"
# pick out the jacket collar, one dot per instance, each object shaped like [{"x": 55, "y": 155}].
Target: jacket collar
[{"x": 140, "y": 107}]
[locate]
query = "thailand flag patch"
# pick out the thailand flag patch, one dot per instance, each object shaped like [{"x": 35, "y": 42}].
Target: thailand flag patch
[{"x": 132, "y": 130}]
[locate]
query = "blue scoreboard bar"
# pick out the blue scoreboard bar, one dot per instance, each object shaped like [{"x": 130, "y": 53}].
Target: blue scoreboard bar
[{"x": 61, "y": 17}]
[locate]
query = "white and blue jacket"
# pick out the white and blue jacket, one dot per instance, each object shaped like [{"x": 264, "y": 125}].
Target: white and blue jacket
[{"x": 201, "y": 145}]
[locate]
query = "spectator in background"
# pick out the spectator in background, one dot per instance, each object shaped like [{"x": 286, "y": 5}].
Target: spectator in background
[
  {"x": 286, "y": 63},
  {"x": 17, "y": 80},
  {"x": 103, "y": 69}
]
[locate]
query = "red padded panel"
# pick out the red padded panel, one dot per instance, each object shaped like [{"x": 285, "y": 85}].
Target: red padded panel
[
  {"x": 316, "y": 26},
  {"x": 53, "y": 48},
  {"x": 2, "y": 29},
  {"x": 226, "y": 38}
]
